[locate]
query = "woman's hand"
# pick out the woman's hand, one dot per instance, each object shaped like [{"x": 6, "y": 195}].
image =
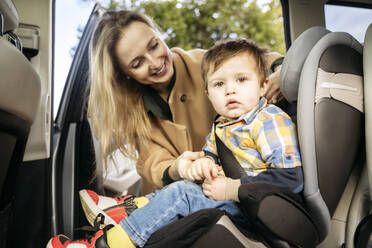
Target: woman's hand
[
  {"x": 180, "y": 167},
  {"x": 273, "y": 94}
]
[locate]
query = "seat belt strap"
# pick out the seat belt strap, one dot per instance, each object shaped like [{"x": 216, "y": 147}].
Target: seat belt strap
[{"x": 230, "y": 165}]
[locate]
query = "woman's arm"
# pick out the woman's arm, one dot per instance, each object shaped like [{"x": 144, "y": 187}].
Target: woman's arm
[
  {"x": 155, "y": 161},
  {"x": 152, "y": 163}
]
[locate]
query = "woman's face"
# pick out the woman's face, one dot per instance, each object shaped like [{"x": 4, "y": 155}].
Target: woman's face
[{"x": 144, "y": 56}]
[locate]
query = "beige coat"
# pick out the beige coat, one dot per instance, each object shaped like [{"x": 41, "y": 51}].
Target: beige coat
[{"x": 192, "y": 119}]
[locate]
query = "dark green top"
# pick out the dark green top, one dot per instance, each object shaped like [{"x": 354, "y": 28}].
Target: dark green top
[{"x": 155, "y": 105}]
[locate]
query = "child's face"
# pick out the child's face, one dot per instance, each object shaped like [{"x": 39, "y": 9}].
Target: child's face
[{"x": 233, "y": 88}]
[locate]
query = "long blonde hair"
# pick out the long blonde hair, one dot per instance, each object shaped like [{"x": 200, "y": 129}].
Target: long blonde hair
[{"x": 115, "y": 106}]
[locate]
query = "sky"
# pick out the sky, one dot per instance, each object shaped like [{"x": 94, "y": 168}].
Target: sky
[
  {"x": 70, "y": 14},
  {"x": 347, "y": 21}
]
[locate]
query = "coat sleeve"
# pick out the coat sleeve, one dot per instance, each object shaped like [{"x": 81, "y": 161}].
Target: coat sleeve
[
  {"x": 161, "y": 151},
  {"x": 152, "y": 165}
]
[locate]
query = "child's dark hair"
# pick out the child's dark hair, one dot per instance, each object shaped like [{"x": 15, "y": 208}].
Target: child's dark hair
[{"x": 226, "y": 49}]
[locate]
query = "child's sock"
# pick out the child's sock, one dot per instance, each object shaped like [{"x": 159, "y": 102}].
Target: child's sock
[
  {"x": 141, "y": 201},
  {"x": 117, "y": 237}
]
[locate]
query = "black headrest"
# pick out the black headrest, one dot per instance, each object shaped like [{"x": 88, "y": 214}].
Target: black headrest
[{"x": 295, "y": 59}]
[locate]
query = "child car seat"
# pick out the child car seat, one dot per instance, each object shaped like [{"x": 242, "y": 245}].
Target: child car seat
[
  {"x": 330, "y": 122},
  {"x": 362, "y": 237},
  {"x": 324, "y": 70}
]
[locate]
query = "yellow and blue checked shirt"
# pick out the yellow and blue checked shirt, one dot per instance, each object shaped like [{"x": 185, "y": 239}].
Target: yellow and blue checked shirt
[{"x": 264, "y": 142}]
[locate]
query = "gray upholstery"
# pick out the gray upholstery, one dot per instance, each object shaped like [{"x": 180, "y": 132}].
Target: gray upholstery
[
  {"x": 330, "y": 130},
  {"x": 359, "y": 207},
  {"x": 367, "y": 65},
  {"x": 293, "y": 64},
  {"x": 329, "y": 120},
  {"x": 19, "y": 83},
  {"x": 10, "y": 15},
  {"x": 295, "y": 59}
]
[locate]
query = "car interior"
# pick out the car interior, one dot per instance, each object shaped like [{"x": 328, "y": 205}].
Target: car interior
[
  {"x": 19, "y": 81},
  {"x": 45, "y": 161}
]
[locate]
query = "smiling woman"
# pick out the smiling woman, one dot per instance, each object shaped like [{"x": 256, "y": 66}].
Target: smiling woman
[
  {"x": 143, "y": 55},
  {"x": 46, "y": 200}
]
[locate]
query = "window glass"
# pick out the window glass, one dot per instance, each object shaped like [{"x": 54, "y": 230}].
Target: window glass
[
  {"x": 348, "y": 19},
  {"x": 70, "y": 19}
]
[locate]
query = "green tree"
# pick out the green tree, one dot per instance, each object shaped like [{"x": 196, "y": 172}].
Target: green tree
[{"x": 200, "y": 23}]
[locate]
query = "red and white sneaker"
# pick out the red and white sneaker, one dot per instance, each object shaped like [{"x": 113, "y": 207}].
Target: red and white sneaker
[
  {"x": 98, "y": 240},
  {"x": 103, "y": 210}
]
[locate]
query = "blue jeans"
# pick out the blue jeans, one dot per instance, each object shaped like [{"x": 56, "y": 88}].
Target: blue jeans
[{"x": 180, "y": 198}]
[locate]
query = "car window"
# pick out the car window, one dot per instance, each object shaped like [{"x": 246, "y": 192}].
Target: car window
[
  {"x": 353, "y": 20},
  {"x": 70, "y": 19}
]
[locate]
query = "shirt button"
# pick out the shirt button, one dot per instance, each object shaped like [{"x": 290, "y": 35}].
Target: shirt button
[{"x": 183, "y": 98}]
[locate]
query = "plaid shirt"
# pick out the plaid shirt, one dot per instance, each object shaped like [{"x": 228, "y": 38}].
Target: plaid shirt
[{"x": 263, "y": 138}]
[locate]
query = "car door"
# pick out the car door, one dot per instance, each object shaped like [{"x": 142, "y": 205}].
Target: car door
[{"x": 73, "y": 162}]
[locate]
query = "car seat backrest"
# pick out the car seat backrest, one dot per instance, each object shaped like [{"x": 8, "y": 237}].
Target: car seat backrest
[
  {"x": 295, "y": 59},
  {"x": 19, "y": 100},
  {"x": 290, "y": 77},
  {"x": 322, "y": 73},
  {"x": 330, "y": 121},
  {"x": 367, "y": 65}
]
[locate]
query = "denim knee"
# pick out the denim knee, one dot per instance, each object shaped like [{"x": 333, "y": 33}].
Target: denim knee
[{"x": 183, "y": 187}]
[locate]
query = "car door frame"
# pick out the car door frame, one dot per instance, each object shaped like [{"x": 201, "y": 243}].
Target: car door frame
[{"x": 68, "y": 127}]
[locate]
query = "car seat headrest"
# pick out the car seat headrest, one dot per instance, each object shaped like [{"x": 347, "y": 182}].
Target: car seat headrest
[
  {"x": 295, "y": 59},
  {"x": 19, "y": 85},
  {"x": 10, "y": 15}
]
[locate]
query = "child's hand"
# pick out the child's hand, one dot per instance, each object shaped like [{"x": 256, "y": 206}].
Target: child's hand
[
  {"x": 182, "y": 164},
  {"x": 200, "y": 169},
  {"x": 216, "y": 188}
]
